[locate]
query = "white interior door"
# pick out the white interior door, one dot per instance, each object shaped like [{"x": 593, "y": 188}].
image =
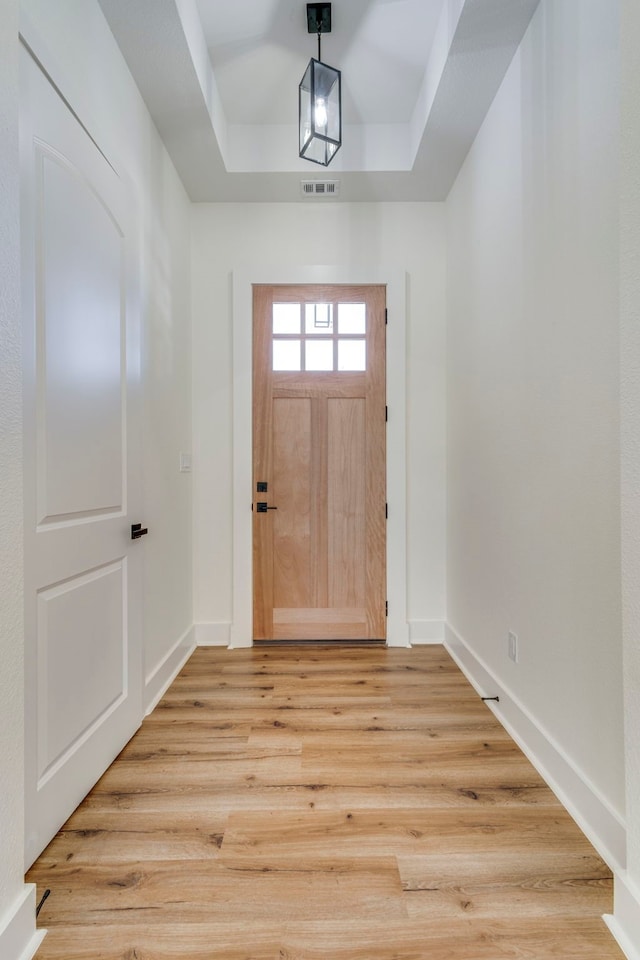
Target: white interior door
[{"x": 82, "y": 571}]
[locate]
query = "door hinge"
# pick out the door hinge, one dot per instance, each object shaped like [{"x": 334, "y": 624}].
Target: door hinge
[
  {"x": 386, "y": 608},
  {"x": 386, "y": 316},
  {"x": 386, "y": 511},
  {"x": 386, "y": 414}
]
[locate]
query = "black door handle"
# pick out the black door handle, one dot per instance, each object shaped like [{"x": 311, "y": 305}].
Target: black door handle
[
  {"x": 137, "y": 531},
  {"x": 263, "y": 506}
]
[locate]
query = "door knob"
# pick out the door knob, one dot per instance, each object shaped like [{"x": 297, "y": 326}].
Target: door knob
[
  {"x": 262, "y": 507},
  {"x": 137, "y": 531}
]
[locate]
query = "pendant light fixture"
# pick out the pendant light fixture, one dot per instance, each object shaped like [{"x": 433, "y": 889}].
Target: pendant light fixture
[{"x": 320, "y": 98}]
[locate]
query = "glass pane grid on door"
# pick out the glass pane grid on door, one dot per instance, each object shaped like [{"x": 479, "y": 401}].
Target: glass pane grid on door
[{"x": 319, "y": 337}]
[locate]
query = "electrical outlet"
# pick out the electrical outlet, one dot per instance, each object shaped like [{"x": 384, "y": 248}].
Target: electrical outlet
[{"x": 513, "y": 646}]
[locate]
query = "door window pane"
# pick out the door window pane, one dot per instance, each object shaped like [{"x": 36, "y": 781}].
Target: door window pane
[
  {"x": 286, "y": 318},
  {"x": 318, "y": 355},
  {"x": 352, "y": 318},
  {"x": 318, "y": 318},
  {"x": 286, "y": 354},
  {"x": 352, "y": 355}
]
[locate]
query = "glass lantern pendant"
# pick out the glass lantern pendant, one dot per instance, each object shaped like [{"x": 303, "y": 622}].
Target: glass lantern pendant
[{"x": 320, "y": 99}]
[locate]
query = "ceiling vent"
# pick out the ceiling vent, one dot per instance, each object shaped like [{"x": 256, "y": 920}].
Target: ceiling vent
[{"x": 320, "y": 188}]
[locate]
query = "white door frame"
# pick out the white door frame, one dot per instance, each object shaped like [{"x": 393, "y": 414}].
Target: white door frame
[{"x": 242, "y": 318}]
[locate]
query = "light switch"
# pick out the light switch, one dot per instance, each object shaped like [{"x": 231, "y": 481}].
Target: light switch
[{"x": 185, "y": 463}]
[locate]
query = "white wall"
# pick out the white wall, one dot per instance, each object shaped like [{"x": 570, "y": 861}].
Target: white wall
[
  {"x": 533, "y": 380},
  {"x": 375, "y": 237},
  {"x": 628, "y": 893},
  {"x": 81, "y": 55},
  {"x": 167, "y": 505},
  {"x": 11, "y": 586}
]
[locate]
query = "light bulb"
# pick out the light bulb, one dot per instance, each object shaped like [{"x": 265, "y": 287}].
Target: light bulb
[{"x": 321, "y": 112}]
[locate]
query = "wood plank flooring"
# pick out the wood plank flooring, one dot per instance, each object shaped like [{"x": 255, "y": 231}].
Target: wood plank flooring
[{"x": 314, "y": 803}]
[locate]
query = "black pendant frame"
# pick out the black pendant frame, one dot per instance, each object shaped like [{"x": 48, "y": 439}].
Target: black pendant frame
[{"x": 320, "y": 92}]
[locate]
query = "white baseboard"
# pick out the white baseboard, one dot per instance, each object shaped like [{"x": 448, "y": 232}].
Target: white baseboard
[
  {"x": 591, "y": 811},
  {"x": 19, "y": 938},
  {"x": 397, "y": 628},
  {"x": 162, "y": 676},
  {"x": 426, "y": 631},
  {"x": 625, "y": 922},
  {"x": 213, "y": 634}
]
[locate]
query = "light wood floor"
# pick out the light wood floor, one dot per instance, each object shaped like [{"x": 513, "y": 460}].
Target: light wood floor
[{"x": 322, "y": 804}]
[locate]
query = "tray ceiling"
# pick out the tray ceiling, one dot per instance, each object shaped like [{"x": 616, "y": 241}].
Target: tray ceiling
[{"x": 221, "y": 81}]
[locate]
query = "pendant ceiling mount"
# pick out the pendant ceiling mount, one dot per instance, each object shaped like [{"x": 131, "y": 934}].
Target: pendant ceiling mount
[{"x": 319, "y": 17}]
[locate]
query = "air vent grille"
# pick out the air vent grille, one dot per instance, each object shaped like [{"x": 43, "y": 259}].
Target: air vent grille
[{"x": 320, "y": 188}]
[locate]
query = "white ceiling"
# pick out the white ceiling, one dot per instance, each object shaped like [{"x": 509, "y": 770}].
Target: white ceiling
[
  {"x": 220, "y": 79},
  {"x": 259, "y": 50}
]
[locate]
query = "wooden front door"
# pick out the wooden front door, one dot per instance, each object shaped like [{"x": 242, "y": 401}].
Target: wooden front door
[{"x": 319, "y": 511}]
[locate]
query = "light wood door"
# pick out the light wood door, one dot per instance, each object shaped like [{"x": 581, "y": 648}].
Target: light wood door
[
  {"x": 83, "y": 680},
  {"x": 319, "y": 543}
]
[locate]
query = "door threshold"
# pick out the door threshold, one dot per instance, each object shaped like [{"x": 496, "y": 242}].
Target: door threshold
[{"x": 319, "y": 643}]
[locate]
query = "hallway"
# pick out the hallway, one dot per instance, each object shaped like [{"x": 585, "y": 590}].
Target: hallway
[{"x": 322, "y": 802}]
